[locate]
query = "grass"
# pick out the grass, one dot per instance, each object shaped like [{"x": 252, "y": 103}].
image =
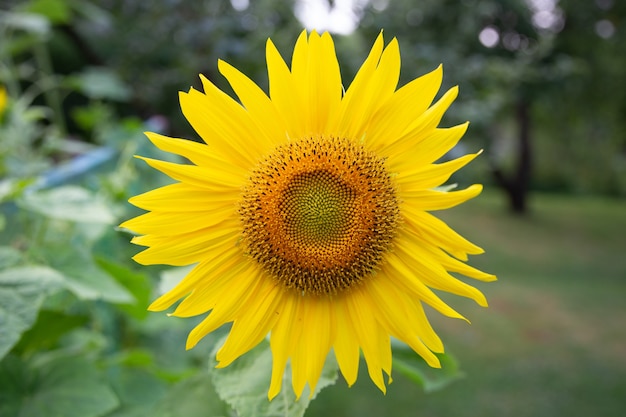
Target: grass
[{"x": 552, "y": 342}]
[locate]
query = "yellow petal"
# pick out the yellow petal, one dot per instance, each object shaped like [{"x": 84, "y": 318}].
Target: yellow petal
[
  {"x": 317, "y": 80},
  {"x": 393, "y": 312},
  {"x": 418, "y": 131},
  {"x": 270, "y": 123},
  {"x": 432, "y": 117},
  {"x": 209, "y": 290},
  {"x": 178, "y": 224},
  {"x": 300, "y": 68},
  {"x": 433, "y": 175},
  {"x": 428, "y": 200},
  {"x": 432, "y": 273},
  {"x": 454, "y": 265},
  {"x": 199, "y": 154},
  {"x": 316, "y": 339},
  {"x": 370, "y": 336},
  {"x": 438, "y": 233},
  {"x": 423, "y": 149},
  {"x": 298, "y": 367},
  {"x": 424, "y": 329},
  {"x": 253, "y": 322},
  {"x": 406, "y": 105},
  {"x": 226, "y": 308},
  {"x": 202, "y": 274},
  {"x": 325, "y": 87},
  {"x": 199, "y": 176},
  {"x": 359, "y": 101},
  {"x": 286, "y": 331},
  {"x": 183, "y": 197},
  {"x": 406, "y": 277},
  {"x": 346, "y": 346},
  {"x": 300, "y": 58},
  {"x": 282, "y": 88},
  {"x": 223, "y": 124},
  {"x": 188, "y": 248}
]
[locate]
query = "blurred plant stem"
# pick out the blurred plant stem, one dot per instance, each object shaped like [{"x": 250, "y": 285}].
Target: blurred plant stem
[{"x": 48, "y": 87}]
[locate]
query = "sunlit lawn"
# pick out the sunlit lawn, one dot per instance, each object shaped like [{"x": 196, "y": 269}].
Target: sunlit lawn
[{"x": 552, "y": 343}]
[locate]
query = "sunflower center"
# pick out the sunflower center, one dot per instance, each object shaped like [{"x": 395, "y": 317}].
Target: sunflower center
[
  {"x": 319, "y": 214},
  {"x": 317, "y": 209}
]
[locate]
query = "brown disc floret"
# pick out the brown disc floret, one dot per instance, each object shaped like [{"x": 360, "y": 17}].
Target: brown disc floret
[{"x": 318, "y": 214}]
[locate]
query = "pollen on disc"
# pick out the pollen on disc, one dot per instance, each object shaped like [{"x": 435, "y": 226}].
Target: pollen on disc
[{"x": 319, "y": 214}]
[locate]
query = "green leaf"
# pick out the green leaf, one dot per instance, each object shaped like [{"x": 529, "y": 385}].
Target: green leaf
[
  {"x": 94, "y": 115},
  {"x": 411, "y": 365},
  {"x": 192, "y": 397},
  {"x": 22, "y": 291},
  {"x": 70, "y": 203},
  {"x": 245, "y": 382},
  {"x": 138, "y": 390},
  {"x": 48, "y": 328},
  {"x": 136, "y": 283},
  {"x": 171, "y": 277},
  {"x": 101, "y": 83},
  {"x": 29, "y": 22},
  {"x": 88, "y": 282},
  {"x": 11, "y": 188},
  {"x": 96, "y": 15},
  {"x": 53, "y": 387},
  {"x": 9, "y": 257},
  {"x": 83, "y": 277},
  {"x": 57, "y": 11}
]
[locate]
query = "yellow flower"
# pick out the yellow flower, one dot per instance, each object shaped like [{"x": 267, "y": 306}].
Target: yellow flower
[
  {"x": 306, "y": 213},
  {"x": 3, "y": 100}
]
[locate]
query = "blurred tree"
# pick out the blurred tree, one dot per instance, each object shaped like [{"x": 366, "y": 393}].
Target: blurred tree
[
  {"x": 159, "y": 48},
  {"x": 490, "y": 47},
  {"x": 542, "y": 80},
  {"x": 544, "y": 73},
  {"x": 586, "y": 111}
]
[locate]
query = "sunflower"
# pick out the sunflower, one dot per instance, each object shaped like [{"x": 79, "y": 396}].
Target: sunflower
[
  {"x": 306, "y": 213},
  {"x": 3, "y": 100}
]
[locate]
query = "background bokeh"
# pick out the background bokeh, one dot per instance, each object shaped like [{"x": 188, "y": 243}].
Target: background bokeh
[{"x": 541, "y": 81}]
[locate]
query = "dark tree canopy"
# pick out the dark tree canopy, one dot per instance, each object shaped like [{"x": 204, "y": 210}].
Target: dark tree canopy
[{"x": 541, "y": 80}]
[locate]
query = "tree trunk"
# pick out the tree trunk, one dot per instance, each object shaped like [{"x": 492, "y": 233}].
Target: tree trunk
[{"x": 517, "y": 184}]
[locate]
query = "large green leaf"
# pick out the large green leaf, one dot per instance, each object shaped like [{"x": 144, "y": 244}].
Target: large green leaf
[
  {"x": 49, "y": 327},
  {"x": 22, "y": 291},
  {"x": 136, "y": 283},
  {"x": 137, "y": 388},
  {"x": 54, "y": 387},
  {"x": 192, "y": 397},
  {"x": 68, "y": 203},
  {"x": 82, "y": 276},
  {"x": 89, "y": 282},
  {"x": 56, "y": 11},
  {"x": 411, "y": 365},
  {"x": 245, "y": 382}
]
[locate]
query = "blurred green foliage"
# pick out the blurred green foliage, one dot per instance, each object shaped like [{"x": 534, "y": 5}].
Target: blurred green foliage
[
  {"x": 86, "y": 78},
  {"x": 567, "y": 67}
]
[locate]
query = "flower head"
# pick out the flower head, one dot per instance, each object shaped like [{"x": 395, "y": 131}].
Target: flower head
[
  {"x": 306, "y": 213},
  {"x": 3, "y": 100}
]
